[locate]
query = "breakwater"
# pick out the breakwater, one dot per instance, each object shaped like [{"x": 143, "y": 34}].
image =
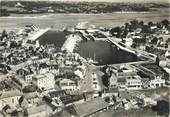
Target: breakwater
[
  {"x": 35, "y": 35},
  {"x": 70, "y": 43}
]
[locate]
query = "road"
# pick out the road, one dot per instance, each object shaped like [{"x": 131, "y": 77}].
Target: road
[{"x": 87, "y": 82}]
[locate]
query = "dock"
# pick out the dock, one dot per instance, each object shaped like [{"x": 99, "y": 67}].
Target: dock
[
  {"x": 70, "y": 43},
  {"x": 35, "y": 35}
]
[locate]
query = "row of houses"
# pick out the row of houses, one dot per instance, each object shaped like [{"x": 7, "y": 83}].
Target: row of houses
[{"x": 128, "y": 79}]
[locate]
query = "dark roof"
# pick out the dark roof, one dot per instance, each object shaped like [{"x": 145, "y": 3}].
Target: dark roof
[
  {"x": 71, "y": 98},
  {"x": 69, "y": 111},
  {"x": 59, "y": 93},
  {"x": 43, "y": 65},
  {"x": 121, "y": 80},
  {"x": 25, "y": 71},
  {"x": 112, "y": 90},
  {"x": 90, "y": 107},
  {"x": 9, "y": 94},
  {"x": 35, "y": 109}
]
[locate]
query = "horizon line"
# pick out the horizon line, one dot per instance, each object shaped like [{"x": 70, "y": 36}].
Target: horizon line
[{"x": 104, "y": 1}]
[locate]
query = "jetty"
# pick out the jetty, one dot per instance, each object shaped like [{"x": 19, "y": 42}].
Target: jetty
[
  {"x": 70, "y": 43},
  {"x": 35, "y": 35}
]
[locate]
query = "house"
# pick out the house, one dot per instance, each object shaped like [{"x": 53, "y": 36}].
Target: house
[
  {"x": 69, "y": 84},
  {"x": 66, "y": 69},
  {"x": 43, "y": 68},
  {"x": 145, "y": 82},
  {"x": 113, "y": 81},
  {"x": 68, "y": 99},
  {"x": 121, "y": 83},
  {"x": 26, "y": 73},
  {"x": 125, "y": 77},
  {"x": 110, "y": 92},
  {"x": 44, "y": 81},
  {"x": 9, "y": 98},
  {"x": 157, "y": 82},
  {"x": 28, "y": 78},
  {"x": 79, "y": 73},
  {"x": 54, "y": 69},
  {"x": 32, "y": 98},
  {"x": 56, "y": 94},
  {"x": 134, "y": 83}
]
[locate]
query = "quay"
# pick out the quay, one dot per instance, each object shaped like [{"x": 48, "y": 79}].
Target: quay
[
  {"x": 70, "y": 43},
  {"x": 37, "y": 34}
]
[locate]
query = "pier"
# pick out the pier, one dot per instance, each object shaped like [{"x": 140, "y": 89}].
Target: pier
[
  {"x": 70, "y": 43},
  {"x": 37, "y": 34}
]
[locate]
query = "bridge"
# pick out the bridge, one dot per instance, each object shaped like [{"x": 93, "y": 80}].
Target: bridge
[{"x": 139, "y": 53}]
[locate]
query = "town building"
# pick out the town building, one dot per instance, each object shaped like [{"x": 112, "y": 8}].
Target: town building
[
  {"x": 157, "y": 82},
  {"x": 125, "y": 78},
  {"x": 134, "y": 83},
  {"x": 69, "y": 84},
  {"x": 44, "y": 81}
]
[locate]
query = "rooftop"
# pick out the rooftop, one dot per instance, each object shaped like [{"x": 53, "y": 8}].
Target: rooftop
[
  {"x": 35, "y": 109},
  {"x": 90, "y": 107},
  {"x": 11, "y": 93}
]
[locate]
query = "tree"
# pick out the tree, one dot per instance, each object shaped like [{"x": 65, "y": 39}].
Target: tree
[
  {"x": 116, "y": 31},
  {"x": 145, "y": 29},
  {"x": 141, "y": 23},
  {"x": 165, "y": 23},
  {"x": 150, "y": 24},
  {"x": 134, "y": 24},
  {"x": 4, "y": 34}
]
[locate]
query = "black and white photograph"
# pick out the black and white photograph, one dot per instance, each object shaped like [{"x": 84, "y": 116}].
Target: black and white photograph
[{"x": 84, "y": 58}]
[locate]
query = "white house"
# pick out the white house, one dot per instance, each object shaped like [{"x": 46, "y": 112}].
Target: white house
[
  {"x": 79, "y": 73},
  {"x": 44, "y": 81},
  {"x": 28, "y": 78},
  {"x": 134, "y": 83},
  {"x": 157, "y": 82},
  {"x": 69, "y": 84}
]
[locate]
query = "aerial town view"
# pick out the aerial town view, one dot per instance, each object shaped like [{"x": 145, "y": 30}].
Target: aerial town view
[{"x": 84, "y": 58}]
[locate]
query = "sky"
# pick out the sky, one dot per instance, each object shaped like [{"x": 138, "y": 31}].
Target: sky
[{"x": 132, "y": 1}]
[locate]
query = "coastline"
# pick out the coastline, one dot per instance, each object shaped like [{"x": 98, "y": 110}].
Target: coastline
[{"x": 46, "y": 15}]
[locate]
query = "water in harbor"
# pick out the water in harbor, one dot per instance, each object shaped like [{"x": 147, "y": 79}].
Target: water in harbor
[
  {"x": 100, "y": 51},
  {"x": 104, "y": 53},
  {"x": 54, "y": 37}
]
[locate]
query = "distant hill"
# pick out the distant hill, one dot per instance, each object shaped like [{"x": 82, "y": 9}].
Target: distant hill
[{"x": 114, "y": 1}]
